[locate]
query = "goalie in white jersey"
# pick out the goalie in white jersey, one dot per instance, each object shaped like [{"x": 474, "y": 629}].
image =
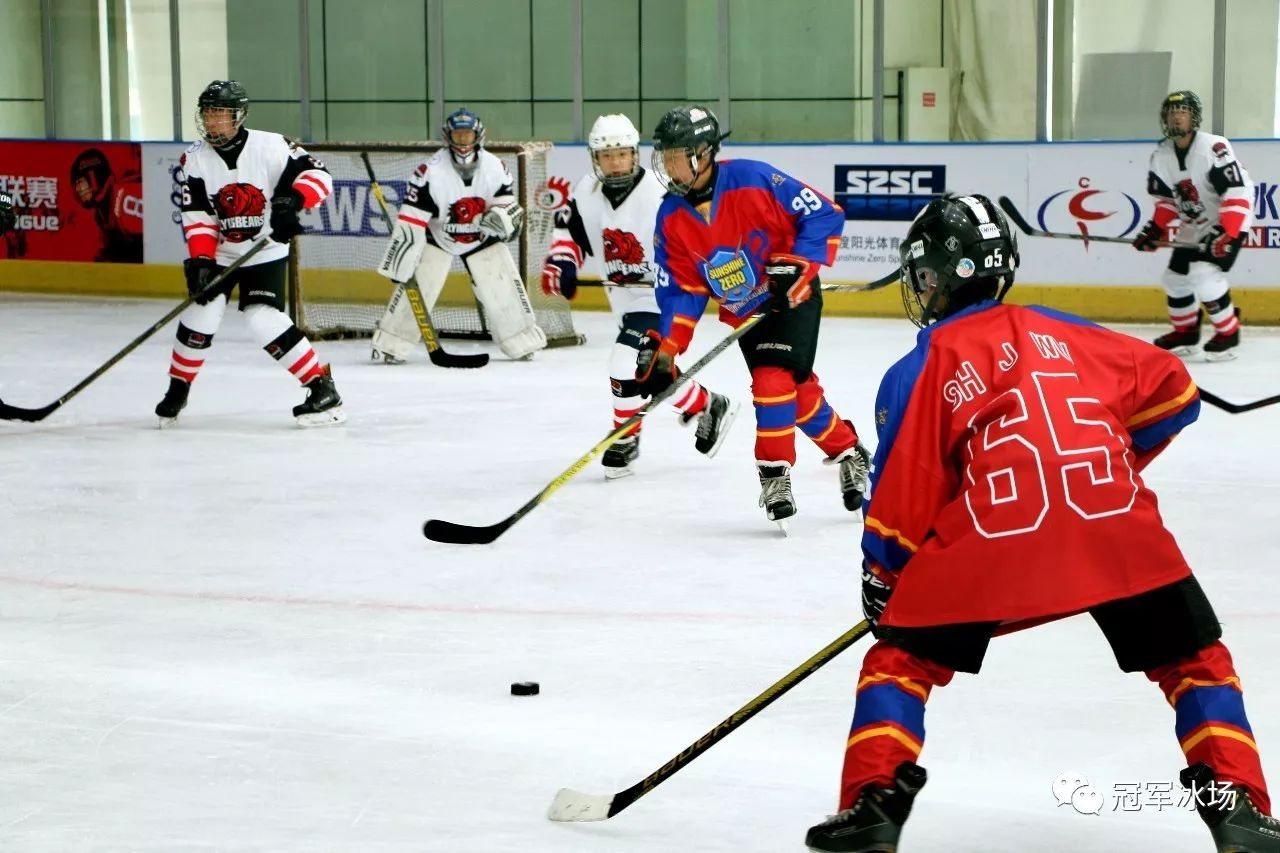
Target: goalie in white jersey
[
  {"x": 610, "y": 218},
  {"x": 459, "y": 203},
  {"x": 1196, "y": 178},
  {"x": 238, "y": 184}
]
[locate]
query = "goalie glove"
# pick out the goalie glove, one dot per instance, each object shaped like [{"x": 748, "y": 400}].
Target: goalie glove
[
  {"x": 502, "y": 221},
  {"x": 404, "y": 251},
  {"x": 789, "y": 277}
]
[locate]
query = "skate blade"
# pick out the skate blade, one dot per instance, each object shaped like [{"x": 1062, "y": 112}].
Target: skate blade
[
  {"x": 1225, "y": 355},
  {"x": 1185, "y": 352},
  {"x": 165, "y": 423},
  {"x": 330, "y": 417},
  {"x": 785, "y": 526},
  {"x": 617, "y": 473},
  {"x": 725, "y": 425}
]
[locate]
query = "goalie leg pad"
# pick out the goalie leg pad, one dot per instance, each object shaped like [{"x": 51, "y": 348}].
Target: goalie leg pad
[
  {"x": 506, "y": 303},
  {"x": 396, "y": 333}
]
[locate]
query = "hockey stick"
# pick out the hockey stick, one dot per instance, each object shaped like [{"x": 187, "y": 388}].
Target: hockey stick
[
  {"x": 883, "y": 281},
  {"x": 438, "y": 355},
  {"x": 17, "y": 413},
  {"x": 1237, "y": 408},
  {"x": 571, "y": 805},
  {"x": 1025, "y": 227},
  {"x": 466, "y": 534}
]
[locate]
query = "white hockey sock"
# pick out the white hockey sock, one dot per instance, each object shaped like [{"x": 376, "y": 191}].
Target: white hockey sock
[
  {"x": 196, "y": 328},
  {"x": 284, "y": 341}
]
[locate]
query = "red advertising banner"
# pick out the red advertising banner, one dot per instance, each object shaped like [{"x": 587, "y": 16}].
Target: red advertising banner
[{"x": 75, "y": 201}]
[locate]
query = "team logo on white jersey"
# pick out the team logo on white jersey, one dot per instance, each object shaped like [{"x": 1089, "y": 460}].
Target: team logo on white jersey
[
  {"x": 464, "y": 219},
  {"x": 624, "y": 257},
  {"x": 1189, "y": 203},
  {"x": 241, "y": 211}
]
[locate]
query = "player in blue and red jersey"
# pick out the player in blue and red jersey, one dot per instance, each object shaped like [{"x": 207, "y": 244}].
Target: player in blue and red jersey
[
  {"x": 1007, "y": 493},
  {"x": 752, "y": 238}
]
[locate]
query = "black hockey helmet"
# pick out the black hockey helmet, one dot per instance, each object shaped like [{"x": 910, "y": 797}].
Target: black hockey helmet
[
  {"x": 222, "y": 95},
  {"x": 464, "y": 155},
  {"x": 1183, "y": 100},
  {"x": 91, "y": 176},
  {"x": 691, "y": 132},
  {"x": 958, "y": 251}
]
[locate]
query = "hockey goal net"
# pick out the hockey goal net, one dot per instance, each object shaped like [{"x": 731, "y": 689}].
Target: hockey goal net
[{"x": 334, "y": 291}]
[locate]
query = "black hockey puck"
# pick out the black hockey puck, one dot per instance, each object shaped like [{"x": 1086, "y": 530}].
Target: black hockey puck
[{"x": 524, "y": 688}]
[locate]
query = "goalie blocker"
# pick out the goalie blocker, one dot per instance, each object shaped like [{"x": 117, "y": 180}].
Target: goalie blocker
[{"x": 494, "y": 276}]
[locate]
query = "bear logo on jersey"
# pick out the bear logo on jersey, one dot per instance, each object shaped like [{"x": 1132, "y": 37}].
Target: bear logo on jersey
[
  {"x": 1189, "y": 204},
  {"x": 241, "y": 209},
  {"x": 464, "y": 216},
  {"x": 623, "y": 257}
]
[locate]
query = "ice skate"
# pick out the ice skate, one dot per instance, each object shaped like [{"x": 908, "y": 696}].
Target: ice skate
[
  {"x": 1181, "y": 342},
  {"x": 1223, "y": 347},
  {"x": 323, "y": 406},
  {"x": 1234, "y": 821},
  {"x": 874, "y": 823},
  {"x": 855, "y": 475},
  {"x": 775, "y": 493},
  {"x": 713, "y": 423},
  {"x": 175, "y": 400},
  {"x": 618, "y": 457}
]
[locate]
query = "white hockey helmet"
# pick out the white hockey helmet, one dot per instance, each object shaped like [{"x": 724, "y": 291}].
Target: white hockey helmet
[{"x": 609, "y": 133}]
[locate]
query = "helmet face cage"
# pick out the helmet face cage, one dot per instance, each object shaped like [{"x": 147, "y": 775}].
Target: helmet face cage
[
  {"x": 226, "y": 97},
  {"x": 464, "y": 155},
  {"x": 696, "y": 160},
  {"x": 1181, "y": 101}
]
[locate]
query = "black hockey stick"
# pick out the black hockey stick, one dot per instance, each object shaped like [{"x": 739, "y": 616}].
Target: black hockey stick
[
  {"x": 571, "y": 805},
  {"x": 466, "y": 534},
  {"x": 17, "y": 413},
  {"x": 884, "y": 281},
  {"x": 1024, "y": 226},
  {"x": 439, "y": 355},
  {"x": 1237, "y": 408}
]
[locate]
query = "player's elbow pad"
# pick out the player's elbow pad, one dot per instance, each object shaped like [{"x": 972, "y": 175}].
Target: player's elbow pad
[{"x": 404, "y": 251}]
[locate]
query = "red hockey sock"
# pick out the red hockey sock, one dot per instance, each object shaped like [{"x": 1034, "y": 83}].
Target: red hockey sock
[
  {"x": 888, "y": 719},
  {"x": 821, "y": 422},
  {"x": 1210, "y": 721},
  {"x": 691, "y": 400},
  {"x": 773, "y": 390}
]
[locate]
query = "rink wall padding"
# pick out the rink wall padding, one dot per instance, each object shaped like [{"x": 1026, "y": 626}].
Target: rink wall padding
[{"x": 1259, "y": 305}]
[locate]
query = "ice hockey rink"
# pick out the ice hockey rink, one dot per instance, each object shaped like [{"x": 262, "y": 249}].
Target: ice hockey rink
[{"x": 232, "y": 635}]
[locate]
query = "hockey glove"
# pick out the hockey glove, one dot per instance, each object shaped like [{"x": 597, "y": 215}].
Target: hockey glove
[
  {"x": 875, "y": 595},
  {"x": 7, "y": 217},
  {"x": 1217, "y": 243},
  {"x": 560, "y": 278},
  {"x": 656, "y": 369},
  {"x": 199, "y": 272},
  {"x": 789, "y": 277},
  {"x": 502, "y": 221},
  {"x": 284, "y": 216},
  {"x": 1148, "y": 236}
]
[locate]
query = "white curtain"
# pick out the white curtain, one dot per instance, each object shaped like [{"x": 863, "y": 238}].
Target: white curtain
[{"x": 991, "y": 51}]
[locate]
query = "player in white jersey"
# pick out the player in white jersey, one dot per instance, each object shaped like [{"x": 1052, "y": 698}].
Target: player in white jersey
[
  {"x": 1196, "y": 178},
  {"x": 237, "y": 183},
  {"x": 7, "y": 217},
  {"x": 459, "y": 203},
  {"x": 609, "y": 218}
]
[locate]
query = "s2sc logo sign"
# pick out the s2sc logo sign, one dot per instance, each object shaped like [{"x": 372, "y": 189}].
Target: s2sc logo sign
[{"x": 880, "y": 192}]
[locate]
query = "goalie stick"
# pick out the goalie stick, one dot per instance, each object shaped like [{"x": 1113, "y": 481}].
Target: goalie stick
[
  {"x": 1010, "y": 209},
  {"x": 439, "y": 356},
  {"x": 1237, "y": 408},
  {"x": 571, "y": 805},
  {"x": 465, "y": 534},
  {"x": 17, "y": 413}
]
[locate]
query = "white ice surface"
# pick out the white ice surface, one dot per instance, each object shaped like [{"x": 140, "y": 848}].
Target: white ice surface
[{"x": 232, "y": 635}]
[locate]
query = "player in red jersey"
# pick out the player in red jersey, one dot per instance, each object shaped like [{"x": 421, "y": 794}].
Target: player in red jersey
[
  {"x": 1007, "y": 493},
  {"x": 752, "y": 238}
]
